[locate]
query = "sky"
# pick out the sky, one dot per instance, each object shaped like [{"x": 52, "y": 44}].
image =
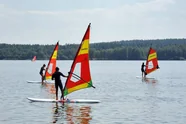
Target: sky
[{"x": 47, "y": 21}]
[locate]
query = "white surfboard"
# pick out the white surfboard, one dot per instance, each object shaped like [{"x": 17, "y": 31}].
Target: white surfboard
[
  {"x": 64, "y": 101},
  {"x": 138, "y": 77},
  {"x": 33, "y": 81},
  {"x": 145, "y": 77},
  {"x": 40, "y": 82}
]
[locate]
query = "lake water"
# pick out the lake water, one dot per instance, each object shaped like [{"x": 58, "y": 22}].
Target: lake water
[{"x": 125, "y": 99}]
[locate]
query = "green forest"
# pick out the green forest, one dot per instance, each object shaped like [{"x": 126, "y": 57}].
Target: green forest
[{"x": 167, "y": 49}]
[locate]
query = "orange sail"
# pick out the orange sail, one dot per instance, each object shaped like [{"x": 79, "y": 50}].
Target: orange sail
[
  {"x": 34, "y": 59},
  {"x": 51, "y": 64},
  {"x": 79, "y": 75},
  {"x": 152, "y": 61}
]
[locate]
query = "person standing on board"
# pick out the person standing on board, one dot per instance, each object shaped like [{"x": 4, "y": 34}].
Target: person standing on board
[
  {"x": 41, "y": 73},
  {"x": 142, "y": 70},
  {"x": 56, "y": 75}
]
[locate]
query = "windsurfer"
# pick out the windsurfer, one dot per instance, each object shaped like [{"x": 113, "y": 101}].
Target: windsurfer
[
  {"x": 142, "y": 70},
  {"x": 41, "y": 73},
  {"x": 56, "y": 75}
]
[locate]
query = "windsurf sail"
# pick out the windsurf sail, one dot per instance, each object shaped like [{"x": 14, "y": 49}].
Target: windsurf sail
[
  {"x": 50, "y": 69},
  {"x": 34, "y": 59},
  {"x": 152, "y": 61},
  {"x": 79, "y": 75}
]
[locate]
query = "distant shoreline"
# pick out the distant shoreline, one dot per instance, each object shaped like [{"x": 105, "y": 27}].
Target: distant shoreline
[{"x": 167, "y": 49}]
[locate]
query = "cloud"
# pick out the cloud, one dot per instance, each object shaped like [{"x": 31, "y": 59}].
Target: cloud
[
  {"x": 153, "y": 5},
  {"x": 118, "y": 14},
  {"x": 44, "y": 12},
  {"x": 145, "y": 20},
  {"x": 6, "y": 11},
  {"x": 137, "y": 9}
]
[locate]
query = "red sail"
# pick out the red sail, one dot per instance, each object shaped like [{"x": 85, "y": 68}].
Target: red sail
[
  {"x": 79, "y": 75},
  {"x": 51, "y": 64},
  {"x": 152, "y": 61},
  {"x": 34, "y": 59}
]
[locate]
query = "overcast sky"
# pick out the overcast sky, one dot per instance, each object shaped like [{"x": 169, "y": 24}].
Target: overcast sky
[{"x": 47, "y": 21}]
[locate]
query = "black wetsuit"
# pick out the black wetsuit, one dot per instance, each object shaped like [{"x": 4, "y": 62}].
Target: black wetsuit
[
  {"x": 142, "y": 68},
  {"x": 41, "y": 70},
  {"x": 56, "y": 75}
]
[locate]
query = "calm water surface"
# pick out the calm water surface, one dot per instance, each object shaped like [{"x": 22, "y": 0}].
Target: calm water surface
[{"x": 125, "y": 99}]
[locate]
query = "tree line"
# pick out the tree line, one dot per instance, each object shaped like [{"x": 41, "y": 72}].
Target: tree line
[{"x": 167, "y": 49}]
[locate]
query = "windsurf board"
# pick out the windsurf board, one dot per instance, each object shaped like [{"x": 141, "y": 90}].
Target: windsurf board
[
  {"x": 49, "y": 82},
  {"x": 64, "y": 101}
]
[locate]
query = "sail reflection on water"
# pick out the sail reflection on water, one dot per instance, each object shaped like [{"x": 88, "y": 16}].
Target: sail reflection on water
[
  {"x": 50, "y": 88},
  {"x": 149, "y": 80},
  {"x": 72, "y": 114}
]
